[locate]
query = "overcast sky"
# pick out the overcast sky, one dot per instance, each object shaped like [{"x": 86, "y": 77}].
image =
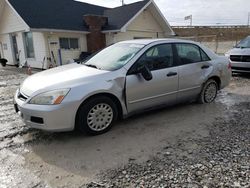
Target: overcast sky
[{"x": 205, "y": 12}]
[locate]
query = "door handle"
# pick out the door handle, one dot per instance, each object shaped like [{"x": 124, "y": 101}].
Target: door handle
[
  {"x": 171, "y": 74},
  {"x": 205, "y": 67}
]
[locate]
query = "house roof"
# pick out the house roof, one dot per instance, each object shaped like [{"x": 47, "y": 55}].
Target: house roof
[
  {"x": 68, "y": 14},
  {"x": 55, "y": 14},
  {"x": 119, "y": 16}
]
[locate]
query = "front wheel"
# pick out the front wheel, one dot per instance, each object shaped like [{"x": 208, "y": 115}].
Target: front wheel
[
  {"x": 209, "y": 92},
  {"x": 96, "y": 116}
]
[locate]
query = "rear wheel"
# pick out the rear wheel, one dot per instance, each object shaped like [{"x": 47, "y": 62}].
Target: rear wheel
[
  {"x": 209, "y": 92},
  {"x": 96, "y": 116}
]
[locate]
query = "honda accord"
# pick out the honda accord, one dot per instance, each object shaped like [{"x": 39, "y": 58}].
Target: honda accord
[{"x": 122, "y": 79}]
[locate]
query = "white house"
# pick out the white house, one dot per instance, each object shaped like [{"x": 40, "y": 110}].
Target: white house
[{"x": 44, "y": 32}]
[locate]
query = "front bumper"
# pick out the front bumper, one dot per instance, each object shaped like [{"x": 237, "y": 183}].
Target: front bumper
[
  {"x": 55, "y": 118},
  {"x": 241, "y": 67}
]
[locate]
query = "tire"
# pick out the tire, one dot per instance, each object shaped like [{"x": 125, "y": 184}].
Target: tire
[
  {"x": 96, "y": 116},
  {"x": 209, "y": 92}
]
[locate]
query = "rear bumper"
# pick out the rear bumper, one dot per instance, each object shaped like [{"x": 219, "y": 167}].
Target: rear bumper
[{"x": 55, "y": 118}]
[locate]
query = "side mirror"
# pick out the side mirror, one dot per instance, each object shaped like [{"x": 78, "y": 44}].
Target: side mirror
[{"x": 146, "y": 73}]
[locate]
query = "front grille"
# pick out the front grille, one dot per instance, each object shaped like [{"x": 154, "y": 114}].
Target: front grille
[
  {"x": 240, "y": 69},
  {"x": 240, "y": 58},
  {"x": 21, "y": 96}
]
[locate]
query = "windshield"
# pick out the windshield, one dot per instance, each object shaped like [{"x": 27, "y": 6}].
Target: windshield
[
  {"x": 114, "y": 57},
  {"x": 245, "y": 43}
]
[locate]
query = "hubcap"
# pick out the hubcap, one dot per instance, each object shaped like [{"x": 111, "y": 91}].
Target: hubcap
[
  {"x": 210, "y": 93},
  {"x": 100, "y": 117}
]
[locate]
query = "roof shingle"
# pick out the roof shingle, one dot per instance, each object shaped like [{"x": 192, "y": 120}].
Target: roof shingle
[{"x": 68, "y": 14}]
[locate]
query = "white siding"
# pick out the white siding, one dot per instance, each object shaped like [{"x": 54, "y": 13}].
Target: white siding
[
  {"x": 144, "y": 26},
  {"x": 7, "y": 53},
  {"x": 40, "y": 50},
  {"x": 2, "y": 4},
  {"x": 10, "y": 22},
  {"x": 66, "y": 54},
  {"x": 20, "y": 46},
  {"x": 145, "y": 22}
]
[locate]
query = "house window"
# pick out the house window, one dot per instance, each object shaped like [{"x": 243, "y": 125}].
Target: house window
[
  {"x": 29, "y": 46},
  {"x": 69, "y": 43}
]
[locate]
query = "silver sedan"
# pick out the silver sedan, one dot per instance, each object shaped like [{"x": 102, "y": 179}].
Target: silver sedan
[{"x": 123, "y": 79}]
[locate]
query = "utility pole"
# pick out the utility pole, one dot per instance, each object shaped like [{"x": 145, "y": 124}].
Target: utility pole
[
  {"x": 248, "y": 19},
  {"x": 122, "y": 2}
]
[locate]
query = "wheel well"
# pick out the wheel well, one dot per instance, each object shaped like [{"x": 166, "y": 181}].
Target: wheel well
[
  {"x": 114, "y": 99},
  {"x": 217, "y": 79}
]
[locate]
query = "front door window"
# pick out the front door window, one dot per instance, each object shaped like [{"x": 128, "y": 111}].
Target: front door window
[{"x": 159, "y": 57}]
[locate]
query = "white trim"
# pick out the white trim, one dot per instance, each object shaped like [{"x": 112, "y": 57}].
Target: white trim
[
  {"x": 145, "y": 31},
  {"x": 124, "y": 28},
  {"x": 163, "y": 17},
  {"x": 1, "y": 49},
  {"x": 23, "y": 30},
  {"x": 58, "y": 30},
  {"x": 17, "y": 14},
  {"x": 111, "y": 31},
  {"x": 1, "y": 13}
]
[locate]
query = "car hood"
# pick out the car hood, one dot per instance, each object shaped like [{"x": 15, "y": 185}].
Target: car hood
[
  {"x": 60, "y": 77},
  {"x": 239, "y": 51}
]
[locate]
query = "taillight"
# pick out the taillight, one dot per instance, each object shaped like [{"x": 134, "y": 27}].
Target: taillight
[{"x": 229, "y": 65}]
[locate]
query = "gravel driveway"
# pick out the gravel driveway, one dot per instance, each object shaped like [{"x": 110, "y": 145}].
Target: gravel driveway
[{"x": 189, "y": 145}]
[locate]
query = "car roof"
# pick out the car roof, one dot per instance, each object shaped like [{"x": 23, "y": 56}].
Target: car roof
[
  {"x": 146, "y": 42},
  {"x": 149, "y": 41}
]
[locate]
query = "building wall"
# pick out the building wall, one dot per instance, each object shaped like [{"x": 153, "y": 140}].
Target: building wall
[
  {"x": 10, "y": 22},
  {"x": 223, "y": 33},
  {"x": 46, "y": 42},
  {"x": 144, "y": 26},
  {"x": 40, "y": 51},
  {"x": 145, "y": 22},
  {"x": 6, "y": 47},
  {"x": 20, "y": 46},
  {"x": 220, "y": 39},
  {"x": 52, "y": 40}
]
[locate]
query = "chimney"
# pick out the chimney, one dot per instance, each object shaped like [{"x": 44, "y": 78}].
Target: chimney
[{"x": 96, "y": 40}]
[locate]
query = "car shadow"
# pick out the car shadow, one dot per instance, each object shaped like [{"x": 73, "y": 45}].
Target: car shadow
[{"x": 136, "y": 138}]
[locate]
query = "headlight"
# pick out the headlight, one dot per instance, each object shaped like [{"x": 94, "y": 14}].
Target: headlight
[
  {"x": 227, "y": 54},
  {"x": 50, "y": 98}
]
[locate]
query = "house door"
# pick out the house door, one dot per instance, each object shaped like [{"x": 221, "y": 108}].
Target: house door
[{"x": 15, "y": 49}]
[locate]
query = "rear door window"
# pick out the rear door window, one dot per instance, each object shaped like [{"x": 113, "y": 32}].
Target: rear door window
[
  {"x": 188, "y": 53},
  {"x": 204, "y": 56}
]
